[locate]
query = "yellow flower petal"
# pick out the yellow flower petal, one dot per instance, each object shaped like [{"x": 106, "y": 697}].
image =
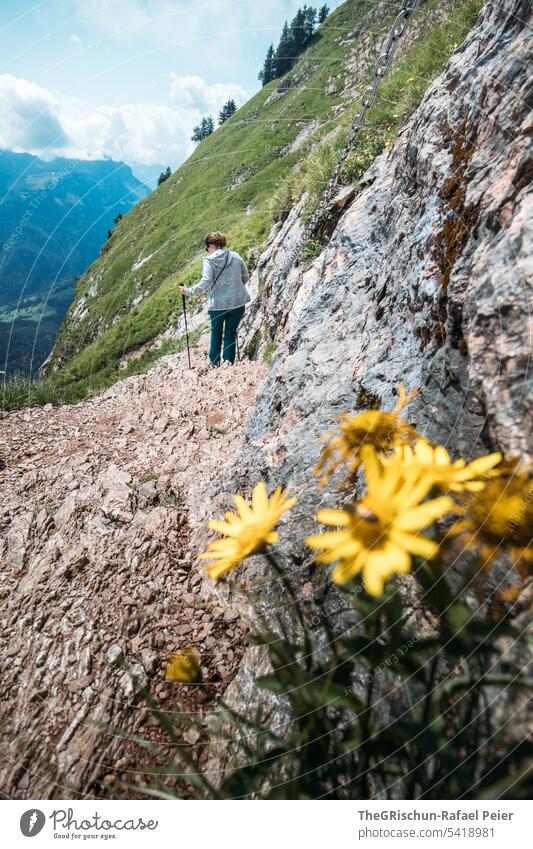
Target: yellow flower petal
[
  {"x": 371, "y": 466},
  {"x": 420, "y": 517},
  {"x": 413, "y": 492},
  {"x": 415, "y": 544},
  {"x": 184, "y": 667},
  {"x": 248, "y": 531},
  {"x": 260, "y": 498},
  {"x": 217, "y": 570},
  {"x": 345, "y": 571},
  {"x": 231, "y": 518},
  {"x": 244, "y": 510},
  {"x": 223, "y": 527},
  {"x": 337, "y": 518},
  {"x": 397, "y": 558},
  {"x": 329, "y": 538},
  {"x": 373, "y": 580},
  {"x": 424, "y": 452},
  {"x": 481, "y": 466},
  {"x": 288, "y": 499}
]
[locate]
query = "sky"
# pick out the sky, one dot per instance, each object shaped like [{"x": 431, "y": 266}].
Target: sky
[{"x": 127, "y": 79}]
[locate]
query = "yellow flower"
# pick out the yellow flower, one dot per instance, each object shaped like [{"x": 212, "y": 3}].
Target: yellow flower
[
  {"x": 450, "y": 477},
  {"x": 380, "y": 533},
  {"x": 383, "y": 430},
  {"x": 184, "y": 667},
  {"x": 248, "y": 531},
  {"x": 499, "y": 518}
]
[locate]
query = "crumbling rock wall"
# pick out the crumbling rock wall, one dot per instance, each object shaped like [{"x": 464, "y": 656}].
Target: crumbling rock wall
[{"x": 426, "y": 281}]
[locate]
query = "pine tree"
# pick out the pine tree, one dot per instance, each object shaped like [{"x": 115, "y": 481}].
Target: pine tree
[
  {"x": 293, "y": 41},
  {"x": 298, "y": 33},
  {"x": 197, "y": 135},
  {"x": 309, "y": 23},
  {"x": 284, "y": 58},
  {"x": 164, "y": 175},
  {"x": 267, "y": 74},
  {"x": 323, "y": 13},
  {"x": 203, "y": 130},
  {"x": 229, "y": 109}
]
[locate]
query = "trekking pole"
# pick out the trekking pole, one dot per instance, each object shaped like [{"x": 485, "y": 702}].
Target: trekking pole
[
  {"x": 237, "y": 345},
  {"x": 186, "y": 330}
]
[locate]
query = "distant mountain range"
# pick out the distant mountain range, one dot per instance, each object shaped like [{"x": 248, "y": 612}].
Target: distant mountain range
[{"x": 54, "y": 219}]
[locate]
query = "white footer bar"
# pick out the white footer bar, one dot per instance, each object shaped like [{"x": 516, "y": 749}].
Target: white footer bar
[{"x": 267, "y": 825}]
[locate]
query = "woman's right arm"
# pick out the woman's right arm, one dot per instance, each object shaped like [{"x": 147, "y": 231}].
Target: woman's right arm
[{"x": 206, "y": 279}]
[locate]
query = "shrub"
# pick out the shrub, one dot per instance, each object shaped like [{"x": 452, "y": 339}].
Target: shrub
[{"x": 23, "y": 391}]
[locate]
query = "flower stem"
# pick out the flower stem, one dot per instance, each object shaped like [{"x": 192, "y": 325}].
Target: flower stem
[
  {"x": 364, "y": 719},
  {"x": 269, "y": 557}
]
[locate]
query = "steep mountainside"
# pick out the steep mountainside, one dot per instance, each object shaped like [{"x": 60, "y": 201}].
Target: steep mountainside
[
  {"x": 54, "y": 219},
  {"x": 129, "y": 295}
]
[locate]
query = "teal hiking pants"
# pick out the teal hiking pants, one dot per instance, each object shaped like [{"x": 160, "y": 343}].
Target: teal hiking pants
[{"x": 224, "y": 326}]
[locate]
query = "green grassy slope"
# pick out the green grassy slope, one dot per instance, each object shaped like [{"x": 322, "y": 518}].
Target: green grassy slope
[{"x": 228, "y": 184}]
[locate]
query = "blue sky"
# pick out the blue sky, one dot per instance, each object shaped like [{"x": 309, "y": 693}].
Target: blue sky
[{"x": 127, "y": 78}]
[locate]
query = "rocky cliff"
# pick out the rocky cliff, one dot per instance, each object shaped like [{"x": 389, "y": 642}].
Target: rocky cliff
[{"x": 425, "y": 280}]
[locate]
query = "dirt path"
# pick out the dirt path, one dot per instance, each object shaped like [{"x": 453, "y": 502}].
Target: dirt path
[{"x": 97, "y": 505}]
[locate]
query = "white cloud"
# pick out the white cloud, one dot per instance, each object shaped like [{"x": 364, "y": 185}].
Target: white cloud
[
  {"x": 30, "y": 116},
  {"x": 140, "y": 132},
  {"x": 33, "y": 120},
  {"x": 191, "y": 92},
  {"x": 135, "y": 18},
  {"x": 75, "y": 40},
  {"x": 211, "y": 24},
  {"x": 163, "y": 21}
]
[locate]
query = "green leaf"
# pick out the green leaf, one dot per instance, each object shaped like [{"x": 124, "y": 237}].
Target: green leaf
[
  {"x": 458, "y": 617},
  {"x": 272, "y": 683}
]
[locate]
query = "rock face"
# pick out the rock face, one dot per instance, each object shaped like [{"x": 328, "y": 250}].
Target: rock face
[
  {"x": 98, "y": 504},
  {"x": 426, "y": 281}
]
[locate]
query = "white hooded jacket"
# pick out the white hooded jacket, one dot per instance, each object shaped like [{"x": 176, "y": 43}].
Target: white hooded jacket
[{"x": 225, "y": 276}]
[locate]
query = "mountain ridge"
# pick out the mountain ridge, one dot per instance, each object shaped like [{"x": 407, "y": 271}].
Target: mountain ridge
[{"x": 55, "y": 217}]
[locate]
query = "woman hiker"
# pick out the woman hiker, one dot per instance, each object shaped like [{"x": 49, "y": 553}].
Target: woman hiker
[{"x": 224, "y": 276}]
